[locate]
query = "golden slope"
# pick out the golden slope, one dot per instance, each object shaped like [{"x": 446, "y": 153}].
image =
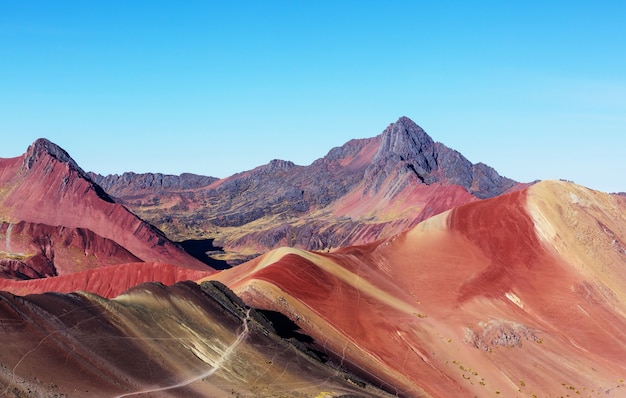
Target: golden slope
[{"x": 180, "y": 341}]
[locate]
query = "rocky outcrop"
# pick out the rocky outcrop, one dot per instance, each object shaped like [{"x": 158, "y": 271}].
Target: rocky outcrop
[
  {"x": 127, "y": 183},
  {"x": 407, "y": 152},
  {"x": 404, "y": 147},
  {"x": 487, "y": 183}
]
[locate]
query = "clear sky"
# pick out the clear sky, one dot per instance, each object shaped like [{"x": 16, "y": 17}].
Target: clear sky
[{"x": 535, "y": 89}]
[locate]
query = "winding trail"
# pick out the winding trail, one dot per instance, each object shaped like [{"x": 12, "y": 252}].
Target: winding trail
[
  {"x": 8, "y": 238},
  {"x": 229, "y": 350}
]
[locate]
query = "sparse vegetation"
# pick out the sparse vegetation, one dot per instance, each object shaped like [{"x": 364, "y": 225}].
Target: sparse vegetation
[{"x": 14, "y": 256}]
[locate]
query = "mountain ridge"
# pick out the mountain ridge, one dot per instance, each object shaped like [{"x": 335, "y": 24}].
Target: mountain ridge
[
  {"x": 48, "y": 191},
  {"x": 400, "y": 163},
  {"x": 428, "y": 291},
  {"x": 449, "y": 307}
]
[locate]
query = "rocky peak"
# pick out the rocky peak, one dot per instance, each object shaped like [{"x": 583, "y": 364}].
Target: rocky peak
[
  {"x": 406, "y": 141},
  {"x": 406, "y": 152},
  {"x": 405, "y": 149},
  {"x": 46, "y": 153},
  {"x": 42, "y": 148},
  {"x": 274, "y": 166},
  {"x": 405, "y": 137}
]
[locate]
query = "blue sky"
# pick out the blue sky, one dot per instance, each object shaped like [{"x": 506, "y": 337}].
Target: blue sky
[{"x": 536, "y": 90}]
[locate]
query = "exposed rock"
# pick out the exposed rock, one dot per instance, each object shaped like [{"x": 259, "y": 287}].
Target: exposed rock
[
  {"x": 406, "y": 147},
  {"x": 403, "y": 144},
  {"x": 500, "y": 333},
  {"x": 129, "y": 182},
  {"x": 43, "y": 147},
  {"x": 346, "y": 195},
  {"x": 487, "y": 183}
]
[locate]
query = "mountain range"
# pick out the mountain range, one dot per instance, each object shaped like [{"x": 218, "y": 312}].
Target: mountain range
[
  {"x": 392, "y": 266},
  {"x": 357, "y": 193}
]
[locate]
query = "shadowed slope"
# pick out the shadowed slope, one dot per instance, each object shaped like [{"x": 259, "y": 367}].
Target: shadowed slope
[
  {"x": 517, "y": 295},
  {"x": 180, "y": 341}
]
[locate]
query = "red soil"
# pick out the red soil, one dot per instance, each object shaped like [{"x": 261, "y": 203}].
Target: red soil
[
  {"x": 60, "y": 195},
  {"x": 64, "y": 250},
  {"x": 107, "y": 282},
  {"x": 475, "y": 288},
  {"x": 505, "y": 234}
]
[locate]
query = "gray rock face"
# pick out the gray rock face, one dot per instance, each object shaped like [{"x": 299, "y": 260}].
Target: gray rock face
[
  {"x": 114, "y": 183},
  {"x": 280, "y": 194},
  {"x": 406, "y": 150},
  {"x": 488, "y": 183},
  {"x": 43, "y": 147},
  {"x": 406, "y": 141}
]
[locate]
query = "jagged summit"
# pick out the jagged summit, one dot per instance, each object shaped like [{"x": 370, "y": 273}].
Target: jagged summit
[
  {"x": 45, "y": 187},
  {"x": 405, "y": 141},
  {"x": 406, "y": 152},
  {"x": 48, "y": 153},
  {"x": 404, "y": 135},
  {"x": 42, "y": 147},
  {"x": 130, "y": 182}
]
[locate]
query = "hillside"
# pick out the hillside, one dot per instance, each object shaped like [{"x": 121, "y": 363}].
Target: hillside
[
  {"x": 55, "y": 221},
  {"x": 186, "y": 340},
  {"x": 518, "y": 295}
]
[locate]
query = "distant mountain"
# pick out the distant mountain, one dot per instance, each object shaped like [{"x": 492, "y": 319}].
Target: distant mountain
[
  {"x": 365, "y": 190},
  {"x": 54, "y": 220},
  {"x": 129, "y": 183}
]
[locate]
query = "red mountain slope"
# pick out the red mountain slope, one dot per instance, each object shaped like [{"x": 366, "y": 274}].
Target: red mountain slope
[
  {"x": 519, "y": 295},
  {"x": 108, "y": 282},
  {"x": 38, "y": 250},
  {"x": 46, "y": 187}
]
